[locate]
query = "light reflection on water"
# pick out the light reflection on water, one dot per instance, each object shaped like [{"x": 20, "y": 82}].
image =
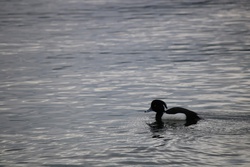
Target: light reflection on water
[{"x": 77, "y": 76}]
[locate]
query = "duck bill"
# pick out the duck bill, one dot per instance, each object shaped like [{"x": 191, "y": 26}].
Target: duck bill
[{"x": 149, "y": 110}]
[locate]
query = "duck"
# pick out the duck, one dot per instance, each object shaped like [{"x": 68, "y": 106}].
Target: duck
[{"x": 160, "y": 107}]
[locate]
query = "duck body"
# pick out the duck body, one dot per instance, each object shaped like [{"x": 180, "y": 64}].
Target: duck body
[
  {"x": 175, "y": 113},
  {"x": 191, "y": 116},
  {"x": 174, "y": 117}
]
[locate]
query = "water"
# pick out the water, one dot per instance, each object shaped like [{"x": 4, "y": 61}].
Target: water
[{"x": 76, "y": 77}]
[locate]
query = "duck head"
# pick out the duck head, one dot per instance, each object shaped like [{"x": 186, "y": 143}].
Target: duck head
[{"x": 157, "y": 106}]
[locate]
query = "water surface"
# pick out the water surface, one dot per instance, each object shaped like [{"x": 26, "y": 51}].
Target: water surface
[{"x": 76, "y": 77}]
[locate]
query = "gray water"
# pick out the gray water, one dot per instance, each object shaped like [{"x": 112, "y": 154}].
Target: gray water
[{"x": 76, "y": 77}]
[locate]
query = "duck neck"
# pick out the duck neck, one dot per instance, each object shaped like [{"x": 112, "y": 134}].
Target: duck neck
[{"x": 158, "y": 117}]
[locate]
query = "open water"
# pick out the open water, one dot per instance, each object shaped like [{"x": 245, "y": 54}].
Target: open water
[{"x": 76, "y": 77}]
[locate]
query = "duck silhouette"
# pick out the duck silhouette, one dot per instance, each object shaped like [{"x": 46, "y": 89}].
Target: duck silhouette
[{"x": 160, "y": 108}]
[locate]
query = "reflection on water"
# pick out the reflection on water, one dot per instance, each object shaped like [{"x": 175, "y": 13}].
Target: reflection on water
[{"x": 76, "y": 77}]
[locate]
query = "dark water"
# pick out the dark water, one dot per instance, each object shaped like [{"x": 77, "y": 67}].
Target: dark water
[{"x": 76, "y": 77}]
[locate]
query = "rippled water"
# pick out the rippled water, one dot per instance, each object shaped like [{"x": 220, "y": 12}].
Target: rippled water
[{"x": 76, "y": 77}]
